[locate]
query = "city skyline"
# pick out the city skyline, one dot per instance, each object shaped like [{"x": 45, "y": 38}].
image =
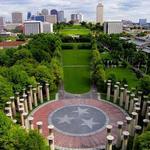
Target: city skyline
[{"x": 118, "y": 10}]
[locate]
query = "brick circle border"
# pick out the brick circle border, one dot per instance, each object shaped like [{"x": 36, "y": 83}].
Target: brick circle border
[{"x": 89, "y": 142}]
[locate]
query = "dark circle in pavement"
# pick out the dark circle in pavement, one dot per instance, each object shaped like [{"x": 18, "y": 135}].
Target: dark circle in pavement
[{"x": 78, "y": 120}]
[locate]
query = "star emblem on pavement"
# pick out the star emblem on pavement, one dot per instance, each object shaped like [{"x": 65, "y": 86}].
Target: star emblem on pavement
[
  {"x": 90, "y": 123},
  {"x": 65, "y": 119},
  {"x": 81, "y": 111}
]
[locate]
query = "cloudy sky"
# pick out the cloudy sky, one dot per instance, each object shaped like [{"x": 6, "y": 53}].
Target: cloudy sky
[{"x": 114, "y": 9}]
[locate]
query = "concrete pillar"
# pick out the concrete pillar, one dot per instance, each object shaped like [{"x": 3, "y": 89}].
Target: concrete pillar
[
  {"x": 108, "y": 91},
  {"x": 134, "y": 114},
  {"x": 23, "y": 92},
  {"x": 125, "y": 140},
  {"x": 21, "y": 110},
  {"x": 51, "y": 142},
  {"x": 132, "y": 96},
  {"x": 41, "y": 94},
  {"x": 29, "y": 101},
  {"x": 129, "y": 122},
  {"x": 30, "y": 89},
  {"x": 22, "y": 104},
  {"x": 39, "y": 126},
  {"x": 145, "y": 98},
  {"x": 13, "y": 106},
  {"x": 35, "y": 97},
  {"x": 25, "y": 120},
  {"x": 8, "y": 104},
  {"x": 47, "y": 91},
  {"x": 119, "y": 134},
  {"x": 17, "y": 99},
  {"x": 148, "y": 116},
  {"x": 147, "y": 111},
  {"x": 98, "y": 96},
  {"x": 137, "y": 132},
  {"x": 145, "y": 124},
  {"x": 127, "y": 100},
  {"x": 140, "y": 96},
  {"x": 137, "y": 110},
  {"x": 115, "y": 94},
  {"x": 8, "y": 112},
  {"x": 30, "y": 119},
  {"x": 109, "y": 128},
  {"x": 38, "y": 90},
  {"x": 118, "y": 83},
  {"x": 26, "y": 103},
  {"x": 125, "y": 92},
  {"x": 50, "y": 129},
  {"x": 121, "y": 96},
  {"x": 109, "y": 143}
]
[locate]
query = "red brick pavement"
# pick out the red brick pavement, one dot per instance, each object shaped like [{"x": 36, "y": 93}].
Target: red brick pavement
[{"x": 91, "y": 141}]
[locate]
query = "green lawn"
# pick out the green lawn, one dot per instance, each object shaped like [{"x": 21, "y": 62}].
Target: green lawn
[
  {"x": 122, "y": 73},
  {"x": 76, "y": 70}
]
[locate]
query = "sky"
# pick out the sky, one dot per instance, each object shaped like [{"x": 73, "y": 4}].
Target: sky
[{"x": 113, "y": 9}]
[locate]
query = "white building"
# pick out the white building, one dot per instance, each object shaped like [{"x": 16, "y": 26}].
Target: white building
[
  {"x": 99, "y": 13},
  {"x": 47, "y": 27},
  {"x": 33, "y": 27},
  {"x": 113, "y": 27},
  {"x": 11, "y": 26},
  {"x": 17, "y": 17},
  {"x": 51, "y": 19}
]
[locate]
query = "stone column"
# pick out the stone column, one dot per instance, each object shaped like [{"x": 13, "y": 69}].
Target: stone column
[
  {"x": 8, "y": 112},
  {"x": 23, "y": 92},
  {"x": 35, "y": 97},
  {"x": 13, "y": 106},
  {"x": 115, "y": 94},
  {"x": 30, "y": 119},
  {"x": 38, "y": 90},
  {"x": 109, "y": 143},
  {"x": 26, "y": 103},
  {"x": 134, "y": 114},
  {"x": 125, "y": 92},
  {"x": 8, "y": 104},
  {"x": 145, "y": 98},
  {"x": 131, "y": 103},
  {"x": 29, "y": 101},
  {"x": 121, "y": 96},
  {"x": 39, "y": 126},
  {"x": 25, "y": 120},
  {"x": 98, "y": 96},
  {"x": 137, "y": 132},
  {"x": 145, "y": 124},
  {"x": 50, "y": 129},
  {"x": 147, "y": 111},
  {"x": 125, "y": 140},
  {"x": 129, "y": 122},
  {"x": 140, "y": 96},
  {"x": 30, "y": 89},
  {"x": 17, "y": 99},
  {"x": 127, "y": 100},
  {"x": 21, "y": 110},
  {"x": 109, "y": 128},
  {"x": 118, "y": 83},
  {"x": 137, "y": 110},
  {"x": 22, "y": 104},
  {"x": 47, "y": 91},
  {"x": 119, "y": 134},
  {"x": 41, "y": 94},
  {"x": 51, "y": 142},
  {"x": 148, "y": 116},
  {"x": 108, "y": 91}
]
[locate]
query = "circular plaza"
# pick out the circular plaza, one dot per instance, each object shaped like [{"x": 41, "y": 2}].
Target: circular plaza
[{"x": 79, "y": 123}]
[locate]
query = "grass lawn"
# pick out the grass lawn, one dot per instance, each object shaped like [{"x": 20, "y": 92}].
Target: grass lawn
[
  {"x": 76, "y": 70},
  {"x": 122, "y": 73},
  {"x": 76, "y": 57}
]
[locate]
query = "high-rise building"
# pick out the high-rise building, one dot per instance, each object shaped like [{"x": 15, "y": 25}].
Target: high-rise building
[
  {"x": 2, "y": 23},
  {"x": 29, "y": 14},
  {"x": 45, "y": 12},
  {"x": 77, "y": 18},
  {"x": 47, "y": 27},
  {"x": 33, "y": 27},
  {"x": 99, "y": 13},
  {"x": 17, "y": 17},
  {"x": 113, "y": 27},
  {"x": 40, "y": 18},
  {"x": 54, "y": 12},
  {"x": 51, "y": 19},
  {"x": 142, "y": 22},
  {"x": 61, "y": 16}
]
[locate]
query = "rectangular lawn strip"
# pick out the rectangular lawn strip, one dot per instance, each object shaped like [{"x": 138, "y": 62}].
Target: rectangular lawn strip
[
  {"x": 122, "y": 73},
  {"x": 77, "y": 80},
  {"x": 75, "y": 31},
  {"x": 76, "y": 57}
]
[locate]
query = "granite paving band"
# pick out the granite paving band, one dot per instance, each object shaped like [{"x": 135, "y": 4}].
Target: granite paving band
[{"x": 79, "y": 123}]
